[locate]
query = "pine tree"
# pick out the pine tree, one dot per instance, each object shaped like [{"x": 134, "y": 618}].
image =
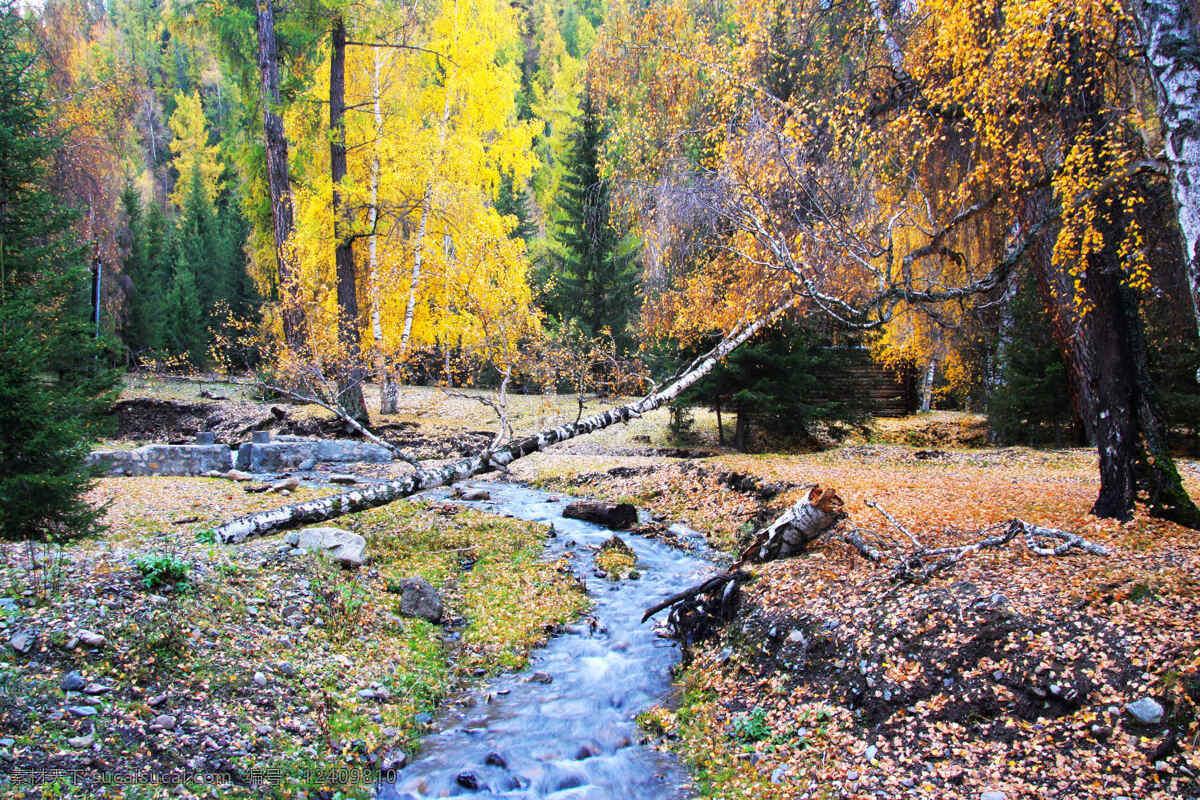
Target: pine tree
[
  {"x": 592, "y": 278},
  {"x": 1031, "y": 403},
  {"x": 199, "y": 244},
  {"x": 54, "y": 389},
  {"x": 779, "y": 383},
  {"x": 185, "y": 333}
]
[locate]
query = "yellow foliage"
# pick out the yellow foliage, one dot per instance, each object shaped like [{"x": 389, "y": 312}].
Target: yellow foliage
[
  {"x": 193, "y": 157},
  {"x": 431, "y": 161}
]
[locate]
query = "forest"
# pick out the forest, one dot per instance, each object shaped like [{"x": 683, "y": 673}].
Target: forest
[{"x": 594, "y": 398}]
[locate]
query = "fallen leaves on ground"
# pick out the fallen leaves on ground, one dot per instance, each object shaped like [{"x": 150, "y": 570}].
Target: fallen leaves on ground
[{"x": 263, "y": 667}]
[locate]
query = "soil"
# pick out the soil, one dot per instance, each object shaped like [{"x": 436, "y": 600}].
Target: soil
[{"x": 145, "y": 420}]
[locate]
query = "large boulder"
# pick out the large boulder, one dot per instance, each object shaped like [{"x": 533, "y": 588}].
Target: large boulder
[
  {"x": 618, "y": 516},
  {"x": 342, "y": 546},
  {"x": 419, "y": 599}
]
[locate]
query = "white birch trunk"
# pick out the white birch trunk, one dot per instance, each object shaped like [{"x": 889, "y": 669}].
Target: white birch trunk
[
  {"x": 927, "y": 386},
  {"x": 426, "y": 208},
  {"x": 1173, "y": 55},
  {"x": 325, "y": 508},
  {"x": 388, "y": 394}
]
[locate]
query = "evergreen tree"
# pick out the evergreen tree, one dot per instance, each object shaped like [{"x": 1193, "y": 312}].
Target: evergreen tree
[
  {"x": 185, "y": 333},
  {"x": 512, "y": 200},
  {"x": 143, "y": 328},
  {"x": 593, "y": 279},
  {"x": 1031, "y": 403},
  {"x": 199, "y": 246},
  {"x": 778, "y": 382},
  {"x": 54, "y": 388}
]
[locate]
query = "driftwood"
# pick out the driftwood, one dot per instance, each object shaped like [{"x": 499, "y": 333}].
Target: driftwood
[{"x": 325, "y": 508}]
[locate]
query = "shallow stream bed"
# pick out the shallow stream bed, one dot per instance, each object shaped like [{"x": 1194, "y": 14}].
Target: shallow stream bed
[{"x": 565, "y": 727}]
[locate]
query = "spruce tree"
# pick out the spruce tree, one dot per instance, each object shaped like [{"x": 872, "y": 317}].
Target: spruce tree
[
  {"x": 592, "y": 279},
  {"x": 54, "y": 387},
  {"x": 143, "y": 327},
  {"x": 1031, "y": 403},
  {"x": 778, "y": 383}
]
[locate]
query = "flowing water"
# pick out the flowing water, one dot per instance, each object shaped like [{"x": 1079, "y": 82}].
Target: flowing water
[{"x": 574, "y": 736}]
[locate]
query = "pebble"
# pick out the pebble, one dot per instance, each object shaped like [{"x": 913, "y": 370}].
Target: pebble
[
  {"x": 422, "y": 718},
  {"x": 72, "y": 682},
  {"x": 81, "y": 742},
  {"x": 263, "y": 730},
  {"x": 8, "y": 604},
  {"x": 90, "y": 638},
  {"x": 260, "y": 679},
  {"x": 468, "y": 780},
  {"x": 992, "y": 795},
  {"x": 870, "y": 752},
  {"x": 96, "y": 688},
  {"x": 1147, "y": 711},
  {"x": 780, "y": 773},
  {"x": 541, "y": 677},
  {"x": 284, "y": 668},
  {"x": 394, "y": 760},
  {"x": 164, "y": 721},
  {"x": 82, "y": 711},
  {"x": 496, "y": 760},
  {"x": 22, "y": 642},
  {"x": 157, "y": 700}
]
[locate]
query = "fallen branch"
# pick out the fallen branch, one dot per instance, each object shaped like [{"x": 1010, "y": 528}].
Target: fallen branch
[
  {"x": 697, "y": 610},
  {"x": 326, "y": 508},
  {"x": 715, "y": 582},
  {"x": 916, "y": 566}
]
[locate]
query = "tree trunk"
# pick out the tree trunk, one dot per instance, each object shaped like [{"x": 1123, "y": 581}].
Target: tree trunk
[
  {"x": 1173, "y": 54},
  {"x": 927, "y": 386},
  {"x": 350, "y": 373},
  {"x": 720, "y": 426},
  {"x": 278, "y": 179},
  {"x": 801, "y": 524},
  {"x": 422, "y": 227},
  {"x": 325, "y": 508},
  {"x": 739, "y": 430},
  {"x": 389, "y": 395},
  {"x": 1106, "y": 359}
]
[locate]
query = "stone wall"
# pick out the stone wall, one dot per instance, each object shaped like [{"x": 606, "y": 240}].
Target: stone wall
[
  {"x": 286, "y": 454},
  {"x": 165, "y": 459}
]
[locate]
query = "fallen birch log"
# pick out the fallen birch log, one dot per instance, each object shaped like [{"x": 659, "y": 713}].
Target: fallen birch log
[
  {"x": 325, "y": 508},
  {"x": 787, "y": 536}
]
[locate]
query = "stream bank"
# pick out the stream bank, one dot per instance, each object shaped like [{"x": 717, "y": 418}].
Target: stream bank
[{"x": 566, "y": 726}]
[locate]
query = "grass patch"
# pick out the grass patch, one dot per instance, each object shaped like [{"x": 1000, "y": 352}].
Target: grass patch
[
  {"x": 616, "y": 559},
  {"x": 269, "y": 661}
]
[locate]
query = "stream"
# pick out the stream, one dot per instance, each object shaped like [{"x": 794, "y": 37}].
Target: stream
[{"x": 574, "y": 736}]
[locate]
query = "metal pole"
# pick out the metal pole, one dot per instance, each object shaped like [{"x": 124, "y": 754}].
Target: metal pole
[{"x": 96, "y": 278}]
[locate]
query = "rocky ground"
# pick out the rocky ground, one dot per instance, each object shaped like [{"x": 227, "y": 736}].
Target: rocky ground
[
  {"x": 1010, "y": 676},
  {"x": 259, "y": 670}
]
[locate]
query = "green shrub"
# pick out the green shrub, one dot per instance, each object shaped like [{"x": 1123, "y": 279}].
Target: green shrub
[
  {"x": 751, "y": 727},
  {"x": 163, "y": 570}
]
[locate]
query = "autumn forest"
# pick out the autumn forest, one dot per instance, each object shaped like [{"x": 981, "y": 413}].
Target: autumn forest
[{"x": 657, "y": 399}]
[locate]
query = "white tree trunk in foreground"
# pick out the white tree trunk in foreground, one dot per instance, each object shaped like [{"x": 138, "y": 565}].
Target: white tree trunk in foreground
[
  {"x": 325, "y": 508},
  {"x": 1173, "y": 54}
]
